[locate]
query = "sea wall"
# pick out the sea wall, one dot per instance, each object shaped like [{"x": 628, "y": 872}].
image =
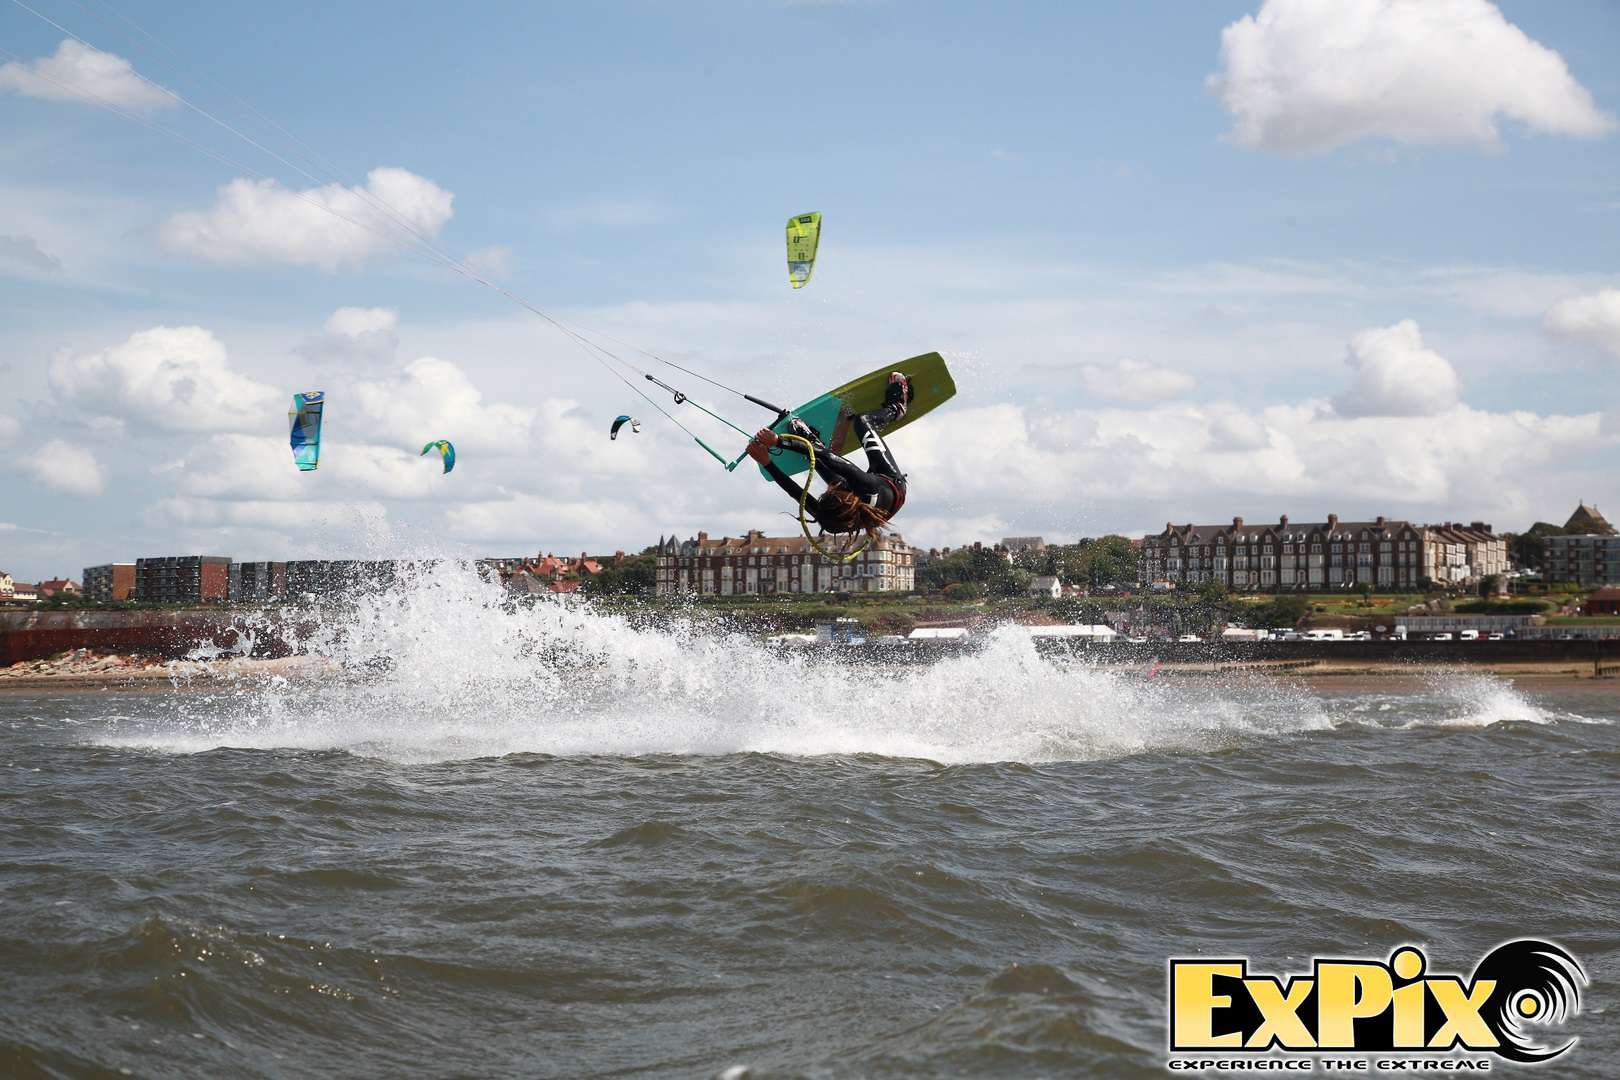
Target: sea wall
[
  {"x": 1595, "y": 652},
  {"x": 33, "y": 635}
]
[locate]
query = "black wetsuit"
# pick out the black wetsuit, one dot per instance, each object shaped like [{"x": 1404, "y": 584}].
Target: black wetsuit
[{"x": 881, "y": 484}]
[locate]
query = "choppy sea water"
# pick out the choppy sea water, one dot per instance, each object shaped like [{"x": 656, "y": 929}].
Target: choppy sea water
[{"x": 548, "y": 843}]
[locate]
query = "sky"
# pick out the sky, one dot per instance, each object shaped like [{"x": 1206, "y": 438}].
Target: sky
[{"x": 1186, "y": 261}]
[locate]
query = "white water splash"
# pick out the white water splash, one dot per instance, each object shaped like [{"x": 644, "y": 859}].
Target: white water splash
[{"x": 448, "y": 667}]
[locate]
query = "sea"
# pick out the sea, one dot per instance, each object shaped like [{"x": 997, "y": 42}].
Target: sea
[{"x": 488, "y": 840}]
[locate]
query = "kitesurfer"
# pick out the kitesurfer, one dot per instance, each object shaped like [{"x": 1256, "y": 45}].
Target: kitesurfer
[{"x": 856, "y": 499}]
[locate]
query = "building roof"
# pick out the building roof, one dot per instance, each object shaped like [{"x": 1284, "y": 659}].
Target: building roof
[
  {"x": 1586, "y": 519},
  {"x": 1239, "y": 530},
  {"x": 565, "y": 586},
  {"x": 58, "y": 585},
  {"x": 1076, "y": 630},
  {"x": 1610, "y": 593}
]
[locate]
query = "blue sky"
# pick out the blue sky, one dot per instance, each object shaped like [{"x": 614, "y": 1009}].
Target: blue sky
[{"x": 1188, "y": 261}]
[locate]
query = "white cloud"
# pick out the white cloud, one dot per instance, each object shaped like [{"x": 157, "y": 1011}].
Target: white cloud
[
  {"x": 593, "y": 521},
  {"x": 1303, "y": 75},
  {"x": 359, "y": 321},
  {"x": 9, "y": 429},
  {"x": 1238, "y": 431},
  {"x": 77, "y": 71},
  {"x": 434, "y": 399},
  {"x": 66, "y": 467},
  {"x": 298, "y": 517},
  {"x": 1054, "y": 471},
  {"x": 355, "y": 337},
  {"x": 169, "y": 378},
  {"x": 1593, "y": 319},
  {"x": 494, "y": 262},
  {"x": 260, "y": 221},
  {"x": 1396, "y": 375},
  {"x": 25, "y": 251},
  {"x": 260, "y": 468},
  {"x": 1133, "y": 381}
]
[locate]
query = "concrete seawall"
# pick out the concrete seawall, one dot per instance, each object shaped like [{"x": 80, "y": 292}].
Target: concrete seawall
[
  {"x": 33, "y": 635},
  {"x": 1594, "y": 653}
]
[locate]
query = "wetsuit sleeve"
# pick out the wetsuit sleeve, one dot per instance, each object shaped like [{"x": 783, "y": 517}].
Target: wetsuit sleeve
[{"x": 791, "y": 486}]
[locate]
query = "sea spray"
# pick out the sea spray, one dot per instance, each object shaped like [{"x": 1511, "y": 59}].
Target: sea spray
[{"x": 447, "y": 665}]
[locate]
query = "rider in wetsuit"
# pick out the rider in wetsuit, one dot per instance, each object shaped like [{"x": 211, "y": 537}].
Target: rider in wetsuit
[{"x": 856, "y": 499}]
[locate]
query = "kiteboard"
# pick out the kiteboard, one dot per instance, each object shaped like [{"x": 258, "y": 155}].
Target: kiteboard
[{"x": 831, "y": 413}]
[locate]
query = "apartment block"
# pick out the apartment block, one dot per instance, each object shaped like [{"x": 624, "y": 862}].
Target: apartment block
[
  {"x": 251, "y": 581},
  {"x": 1588, "y": 560},
  {"x": 183, "y": 578},
  {"x": 109, "y": 581}
]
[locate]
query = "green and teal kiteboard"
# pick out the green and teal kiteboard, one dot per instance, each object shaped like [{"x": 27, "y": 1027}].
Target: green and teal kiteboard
[{"x": 830, "y": 414}]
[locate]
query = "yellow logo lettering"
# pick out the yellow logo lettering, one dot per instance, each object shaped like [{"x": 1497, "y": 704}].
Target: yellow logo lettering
[
  {"x": 1192, "y": 984},
  {"x": 1346, "y": 993},
  {"x": 1463, "y": 1021},
  {"x": 1279, "y": 1013}
]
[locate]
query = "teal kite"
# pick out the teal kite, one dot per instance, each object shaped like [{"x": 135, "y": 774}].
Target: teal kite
[
  {"x": 304, "y": 420},
  {"x": 635, "y": 426},
  {"x": 443, "y": 447}
]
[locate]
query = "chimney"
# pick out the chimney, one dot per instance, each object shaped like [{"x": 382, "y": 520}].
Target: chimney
[
  {"x": 1168, "y": 527},
  {"x": 1237, "y": 523},
  {"x": 1283, "y": 521},
  {"x": 1379, "y": 520},
  {"x": 1333, "y": 522},
  {"x": 702, "y": 536}
]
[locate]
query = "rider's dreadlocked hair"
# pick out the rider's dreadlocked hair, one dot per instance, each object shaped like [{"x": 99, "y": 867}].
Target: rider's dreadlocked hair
[{"x": 842, "y": 511}]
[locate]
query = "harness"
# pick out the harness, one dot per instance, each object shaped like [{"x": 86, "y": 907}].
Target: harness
[{"x": 899, "y": 490}]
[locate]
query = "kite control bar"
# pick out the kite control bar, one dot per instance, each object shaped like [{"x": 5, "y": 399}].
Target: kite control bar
[{"x": 762, "y": 403}]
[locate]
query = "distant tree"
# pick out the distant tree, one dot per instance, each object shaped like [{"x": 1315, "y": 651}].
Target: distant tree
[
  {"x": 1009, "y": 581},
  {"x": 963, "y": 591},
  {"x": 1366, "y": 591},
  {"x": 1109, "y": 560},
  {"x": 635, "y": 575},
  {"x": 1489, "y": 585}
]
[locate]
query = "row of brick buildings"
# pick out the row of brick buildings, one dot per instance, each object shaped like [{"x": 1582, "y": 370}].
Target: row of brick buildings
[
  {"x": 220, "y": 579},
  {"x": 1322, "y": 556},
  {"x": 760, "y": 564}
]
